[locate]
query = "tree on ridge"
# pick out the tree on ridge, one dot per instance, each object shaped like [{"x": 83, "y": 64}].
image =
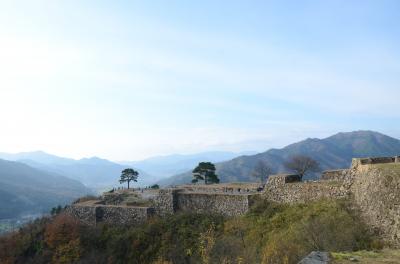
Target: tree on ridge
[
  {"x": 301, "y": 165},
  {"x": 128, "y": 175},
  {"x": 205, "y": 171}
]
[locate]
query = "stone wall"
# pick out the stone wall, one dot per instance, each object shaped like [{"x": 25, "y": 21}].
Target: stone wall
[
  {"x": 165, "y": 202},
  {"x": 287, "y": 188},
  {"x": 376, "y": 160},
  {"x": 335, "y": 175},
  {"x": 301, "y": 192},
  {"x": 224, "y": 204},
  {"x": 114, "y": 198},
  {"x": 118, "y": 215},
  {"x": 373, "y": 184},
  {"x": 170, "y": 201},
  {"x": 85, "y": 214},
  {"x": 281, "y": 179},
  {"x": 334, "y": 184},
  {"x": 123, "y": 215},
  {"x": 376, "y": 189},
  {"x": 222, "y": 187}
]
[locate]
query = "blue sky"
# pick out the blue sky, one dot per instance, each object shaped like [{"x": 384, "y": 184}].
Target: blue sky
[{"x": 127, "y": 80}]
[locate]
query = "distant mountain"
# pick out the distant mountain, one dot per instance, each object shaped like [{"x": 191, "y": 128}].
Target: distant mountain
[
  {"x": 165, "y": 166},
  {"x": 332, "y": 152},
  {"x": 96, "y": 173},
  {"x": 25, "y": 190},
  {"x": 37, "y": 156}
]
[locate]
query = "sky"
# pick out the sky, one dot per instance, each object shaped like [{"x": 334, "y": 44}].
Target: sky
[{"x": 126, "y": 80}]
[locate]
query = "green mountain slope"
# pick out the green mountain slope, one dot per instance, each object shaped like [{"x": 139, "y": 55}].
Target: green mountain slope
[
  {"x": 25, "y": 190},
  {"x": 332, "y": 152}
]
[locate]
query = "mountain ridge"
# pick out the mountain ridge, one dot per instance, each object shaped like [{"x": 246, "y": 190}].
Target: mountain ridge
[{"x": 333, "y": 152}]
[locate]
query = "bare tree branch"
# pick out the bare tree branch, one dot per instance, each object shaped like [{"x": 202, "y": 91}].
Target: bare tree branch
[{"x": 301, "y": 165}]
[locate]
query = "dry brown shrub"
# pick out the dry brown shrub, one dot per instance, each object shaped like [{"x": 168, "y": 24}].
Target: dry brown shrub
[{"x": 61, "y": 230}]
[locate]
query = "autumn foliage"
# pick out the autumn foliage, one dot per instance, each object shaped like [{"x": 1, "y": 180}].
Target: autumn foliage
[{"x": 61, "y": 231}]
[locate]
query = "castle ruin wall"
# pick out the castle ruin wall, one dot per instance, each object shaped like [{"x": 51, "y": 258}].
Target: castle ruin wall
[
  {"x": 85, "y": 214},
  {"x": 335, "y": 175},
  {"x": 165, "y": 202},
  {"x": 119, "y": 215},
  {"x": 223, "y": 204},
  {"x": 376, "y": 192},
  {"x": 123, "y": 215},
  {"x": 305, "y": 192}
]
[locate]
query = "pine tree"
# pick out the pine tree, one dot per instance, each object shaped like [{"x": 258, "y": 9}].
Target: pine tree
[
  {"x": 205, "y": 171},
  {"x": 128, "y": 175}
]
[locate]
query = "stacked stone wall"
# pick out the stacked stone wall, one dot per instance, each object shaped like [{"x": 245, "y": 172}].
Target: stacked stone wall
[
  {"x": 305, "y": 191},
  {"x": 123, "y": 215},
  {"x": 335, "y": 175},
  {"x": 376, "y": 190},
  {"x": 114, "y": 198},
  {"x": 165, "y": 202},
  {"x": 86, "y": 214},
  {"x": 224, "y": 204},
  {"x": 119, "y": 215},
  {"x": 376, "y": 160},
  {"x": 221, "y": 187},
  {"x": 282, "y": 179}
]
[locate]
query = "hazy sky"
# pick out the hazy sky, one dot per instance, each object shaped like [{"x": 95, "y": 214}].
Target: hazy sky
[{"x": 125, "y": 80}]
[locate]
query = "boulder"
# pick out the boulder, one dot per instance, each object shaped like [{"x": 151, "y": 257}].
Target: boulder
[{"x": 317, "y": 257}]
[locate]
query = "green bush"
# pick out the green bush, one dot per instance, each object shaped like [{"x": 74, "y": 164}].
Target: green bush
[{"x": 275, "y": 233}]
